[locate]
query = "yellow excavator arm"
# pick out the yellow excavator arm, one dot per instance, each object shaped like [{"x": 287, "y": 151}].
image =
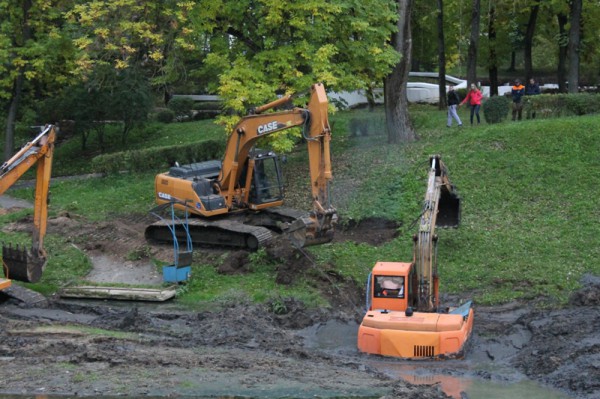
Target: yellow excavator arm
[
  {"x": 441, "y": 208},
  {"x": 20, "y": 263}
]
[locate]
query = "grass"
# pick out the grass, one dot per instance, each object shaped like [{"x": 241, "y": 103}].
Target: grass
[{"x": 529, "y": 220}]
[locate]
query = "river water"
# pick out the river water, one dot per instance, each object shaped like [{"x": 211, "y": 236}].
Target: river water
[{"x": 472, "y": 379}]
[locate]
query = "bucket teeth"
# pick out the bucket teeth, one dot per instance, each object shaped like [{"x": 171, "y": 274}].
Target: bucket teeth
[{"x": 21, "y": 265}]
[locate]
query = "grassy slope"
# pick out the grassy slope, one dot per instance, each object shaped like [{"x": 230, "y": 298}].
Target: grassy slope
[
  {"x": 529, "y": 191},
  {"x": 529, "y": 217}
]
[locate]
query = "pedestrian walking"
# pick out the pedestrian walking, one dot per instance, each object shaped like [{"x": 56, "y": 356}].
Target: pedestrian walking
[
  {"x": 532, "y": 88},
  {"x": 453, "y": 101},
  {"x": 517, "y": 92},
  {"x": 474, "y": 97}
]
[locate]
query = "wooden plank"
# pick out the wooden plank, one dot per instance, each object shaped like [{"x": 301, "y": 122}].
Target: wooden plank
[{"x": 120, "y": 293}]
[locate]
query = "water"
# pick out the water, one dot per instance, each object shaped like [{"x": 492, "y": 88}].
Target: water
[{"x": 461, "y": 378}]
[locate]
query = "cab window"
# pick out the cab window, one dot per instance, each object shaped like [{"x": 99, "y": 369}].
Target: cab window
[{"x": 389, "y": 287}]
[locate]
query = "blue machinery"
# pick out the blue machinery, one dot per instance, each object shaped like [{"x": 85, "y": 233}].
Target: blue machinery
[{"x": 181, "y": 268}]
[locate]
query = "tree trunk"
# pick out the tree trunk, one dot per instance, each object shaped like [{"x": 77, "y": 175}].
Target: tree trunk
[
  {"x": 370, "y": 98},
  {"x": 562, "y": 53},
  {"x": 530, "y": 31},
  {"x": 397, "y": 119},
  {"x": 473, "y": 43},
  {"x": 11, "y": 117},
  {"x": 441, "y": 55},
  {"x": 573, "y": 48},
  {"x": 513, "y": 62},
  {"x": 493, "y": 61}
]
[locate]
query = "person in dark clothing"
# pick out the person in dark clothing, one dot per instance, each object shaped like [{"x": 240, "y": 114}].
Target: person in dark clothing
[
  {"x": 453, "y": 101},
  {"x": 517, "y": 93},
  {"x": 532, "y": 89}
]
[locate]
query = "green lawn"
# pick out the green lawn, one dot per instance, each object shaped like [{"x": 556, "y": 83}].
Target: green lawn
[{"x": 529, "y": 217}]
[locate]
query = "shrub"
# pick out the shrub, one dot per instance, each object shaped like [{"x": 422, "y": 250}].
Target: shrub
[
  {"x": 557, "y": 105},
  {"x": 165, "y": 116},
  {"x": 495, "y": 109},
  {"x": 181, "y": 106},
  {"x": 157, "y": 158}
]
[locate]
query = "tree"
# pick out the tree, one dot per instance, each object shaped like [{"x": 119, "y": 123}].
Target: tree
[
  {"x": 36, "y": 57},
  {"x": 473, "y": 43},
  {"x": 399, "y": 127},
  {"x": 493, "y": 58},
  {"x": 563, "y": 41},
  {"x": 274, "y": 47},
  {"x": 529, "y": 32},
  {"x": 441, "y": 55},
  {"x": 573, "y": 47}
]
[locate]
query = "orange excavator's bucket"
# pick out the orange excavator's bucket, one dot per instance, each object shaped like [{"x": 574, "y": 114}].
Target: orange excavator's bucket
[
  {"x": 448, "y": 209},
  {"x": 21, "y": 264}
]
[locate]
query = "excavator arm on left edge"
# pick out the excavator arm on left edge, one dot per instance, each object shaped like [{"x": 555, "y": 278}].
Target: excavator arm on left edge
[{"x": 24, "y": 264}]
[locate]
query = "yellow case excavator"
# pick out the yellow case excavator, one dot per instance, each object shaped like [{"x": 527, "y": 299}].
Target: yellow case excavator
[{"x": 239, "y": 199}]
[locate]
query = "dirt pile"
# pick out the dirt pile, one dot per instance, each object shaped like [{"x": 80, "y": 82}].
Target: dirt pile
[{"x": 564, "y": 350}]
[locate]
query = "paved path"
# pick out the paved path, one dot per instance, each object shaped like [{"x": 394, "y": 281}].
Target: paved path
[{"x": 8, "y": 202}]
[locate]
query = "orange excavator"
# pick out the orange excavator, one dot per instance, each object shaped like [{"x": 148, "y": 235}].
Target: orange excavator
[
  {"x": 20, "y": 263},
  {"x": 404, "y": 315},
  {"x": 239, "y": 199}
]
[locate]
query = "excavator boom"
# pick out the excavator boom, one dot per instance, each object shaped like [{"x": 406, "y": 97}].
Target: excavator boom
[
  {"x": 20, "y": 263},
  {"x": 441, "y": 208}
]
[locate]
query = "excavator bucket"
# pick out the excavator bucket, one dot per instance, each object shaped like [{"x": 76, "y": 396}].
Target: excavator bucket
[
  {"x": 313, "y": 230},
  {"x": 21, "y": 265},
  {"x": 448, "y": 209}
]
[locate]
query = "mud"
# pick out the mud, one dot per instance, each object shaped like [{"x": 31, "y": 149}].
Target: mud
[{"x": 241, "y": 349}]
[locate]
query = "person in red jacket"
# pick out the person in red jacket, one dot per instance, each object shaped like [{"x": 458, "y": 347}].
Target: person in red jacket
[{"x": 474, "y": 98}]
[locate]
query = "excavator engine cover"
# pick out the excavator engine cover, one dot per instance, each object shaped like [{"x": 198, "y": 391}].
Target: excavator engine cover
[{"x": 21, "y": 265}]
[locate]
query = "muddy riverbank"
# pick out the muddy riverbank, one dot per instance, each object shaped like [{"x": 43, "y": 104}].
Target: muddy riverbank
[{"x": 83, "y": 348}]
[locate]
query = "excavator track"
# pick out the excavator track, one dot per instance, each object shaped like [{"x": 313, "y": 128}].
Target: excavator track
[{"x": 227, "y": 233}]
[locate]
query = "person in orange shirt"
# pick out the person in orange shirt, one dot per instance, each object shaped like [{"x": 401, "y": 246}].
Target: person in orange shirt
[
  {"x": 474, "y": 97},
  {"x": 517, "y": 93}
]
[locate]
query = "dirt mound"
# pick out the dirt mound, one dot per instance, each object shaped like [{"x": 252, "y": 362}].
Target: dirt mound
[
  {"x": 237, "y": 262},
  {"x": 589, "y": 295},
  {"x": 564, "y": 350},
  {"x": 412, "y": 391},
  {"x": 373, "y": 231}
]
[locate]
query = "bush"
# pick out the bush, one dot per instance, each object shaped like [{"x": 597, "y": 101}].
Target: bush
[
  {"x": 182, "y": 107},
  {"x": 495, "y": 109},
  {"x": 157, "y": 158},
  {"x": 557, "y": 105},
  {"x": 165, "y": 116}
]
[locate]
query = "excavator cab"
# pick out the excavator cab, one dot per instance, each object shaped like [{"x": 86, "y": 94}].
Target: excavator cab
[{"x": 267, "y": 181}]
